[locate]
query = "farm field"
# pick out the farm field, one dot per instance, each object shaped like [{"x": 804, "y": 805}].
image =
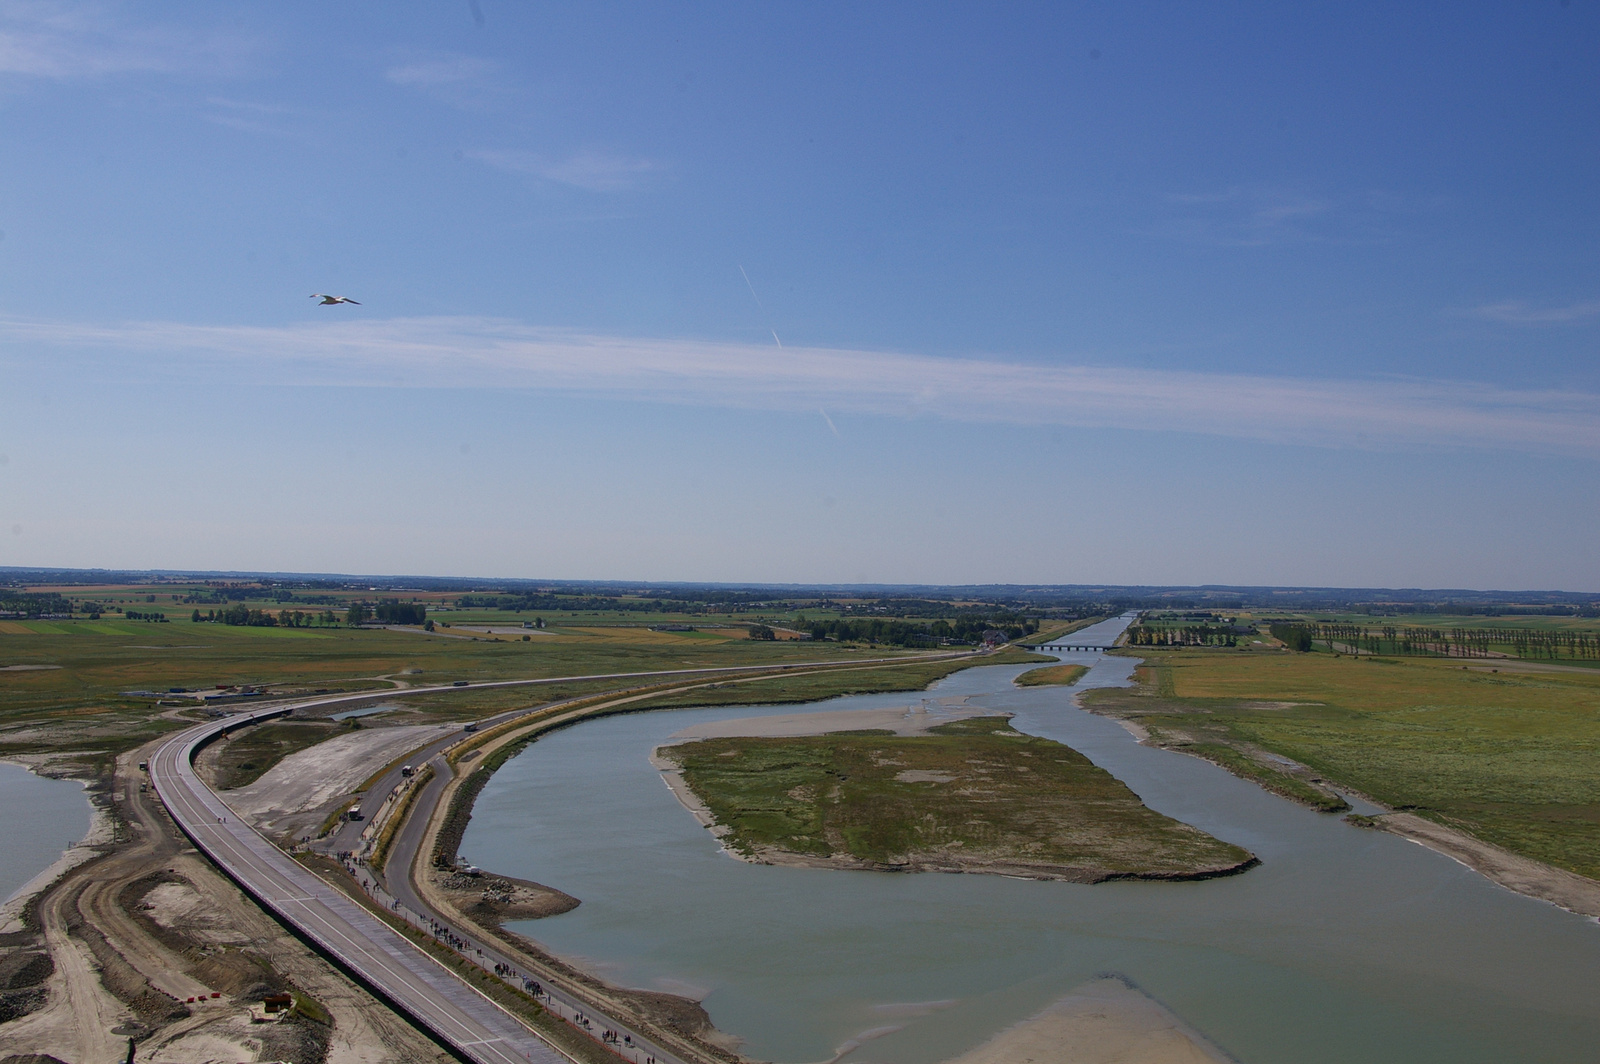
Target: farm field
[{"x": 1503, "y": 750}]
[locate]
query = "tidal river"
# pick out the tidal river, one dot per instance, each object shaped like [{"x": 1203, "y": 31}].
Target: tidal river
[{"x": 1343, "y": 945}]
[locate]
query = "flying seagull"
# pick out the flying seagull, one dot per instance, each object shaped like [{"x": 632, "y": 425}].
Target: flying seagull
[{"x": 328, "y": 301}]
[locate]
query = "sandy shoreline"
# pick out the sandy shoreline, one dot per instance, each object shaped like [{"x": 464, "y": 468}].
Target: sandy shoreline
[
  {"x": 902, "y": 720},
  {"x": 1521, "y": 875}
]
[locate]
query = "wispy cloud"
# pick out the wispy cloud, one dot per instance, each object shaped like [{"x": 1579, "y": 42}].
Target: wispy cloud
[
  {"x": 494, "y": 353},
  {"x": 441, "y": 70},
  {"x": 465, "y": 81},
  {"x": 62, "y": 41},
  {"x": 1515, "y": 312},
  {"x": 1262, "y": 215},
  {"x": 251, "y": 117},
  {"x": 1245, "y": 216},
  {"x": 592, "y": 169}
]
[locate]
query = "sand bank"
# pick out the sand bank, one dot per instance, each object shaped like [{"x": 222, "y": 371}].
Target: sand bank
[
  {"x": 913, "y": 719},
  {"x": 1106, "y": 1021},
  {"x": 1523, "y": 875}
]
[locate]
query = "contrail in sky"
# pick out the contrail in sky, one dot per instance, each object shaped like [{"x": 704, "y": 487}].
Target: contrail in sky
[
  {"x": 752, "y": 288},
  {"x": 828, "y": 419},
  {"x": 757, "y": 298}
]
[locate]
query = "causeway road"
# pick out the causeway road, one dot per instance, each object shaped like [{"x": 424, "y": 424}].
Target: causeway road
[
  {"x": 369, "y": 949},
  {"x": 392, "y": 965}
]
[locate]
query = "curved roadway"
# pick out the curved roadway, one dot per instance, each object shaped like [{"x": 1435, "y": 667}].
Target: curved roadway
[{"x": 366, "y": 947}]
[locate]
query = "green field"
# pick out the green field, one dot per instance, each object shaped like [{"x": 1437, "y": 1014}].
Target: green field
[
  {"x": 77, "y": 703},
  {"x": 973, "y": 796},
  {"x": 1509, "y": 755}
]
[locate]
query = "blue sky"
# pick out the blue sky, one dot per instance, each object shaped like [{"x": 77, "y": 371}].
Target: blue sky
[{"x": 1172, "y": 293}]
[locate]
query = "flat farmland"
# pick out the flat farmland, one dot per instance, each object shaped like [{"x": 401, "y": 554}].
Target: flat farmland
[{"x": 69, "y": 693}]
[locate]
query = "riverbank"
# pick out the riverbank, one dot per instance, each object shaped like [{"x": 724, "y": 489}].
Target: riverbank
[
  {"x": 1521, "y": 875},
  {"x": 1176, "y": 706}
]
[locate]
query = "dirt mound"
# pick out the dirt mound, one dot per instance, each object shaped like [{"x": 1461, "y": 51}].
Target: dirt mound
[
  {"x": 493, "y": 899},
  {"x": 24, "y": 969}
]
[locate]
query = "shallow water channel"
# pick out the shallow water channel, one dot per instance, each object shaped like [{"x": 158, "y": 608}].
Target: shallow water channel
[
  {"x": 39, "y": 819},
  {"x": 1344, "y": 944}
]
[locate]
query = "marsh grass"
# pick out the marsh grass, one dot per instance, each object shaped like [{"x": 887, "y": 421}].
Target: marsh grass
[
  {"x": 973, "y": 795},
  {"x": 1510, "y": 756}
]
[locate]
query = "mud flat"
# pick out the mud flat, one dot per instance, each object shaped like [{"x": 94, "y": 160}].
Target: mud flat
[{"x": 1106, "y": 1021}]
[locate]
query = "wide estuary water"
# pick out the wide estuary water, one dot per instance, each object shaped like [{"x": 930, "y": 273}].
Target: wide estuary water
[{"x": 1343, "y": 945}]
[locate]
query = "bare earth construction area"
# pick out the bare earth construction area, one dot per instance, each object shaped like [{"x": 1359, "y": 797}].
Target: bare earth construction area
[{"x": 968, "y": 795}]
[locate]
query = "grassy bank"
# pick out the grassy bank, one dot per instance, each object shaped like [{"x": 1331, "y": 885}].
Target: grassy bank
[
  {"x": 1508, "y": 756},
  {"x": 973, "y": 796}
]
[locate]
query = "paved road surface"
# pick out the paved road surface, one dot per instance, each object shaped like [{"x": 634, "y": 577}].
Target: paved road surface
[{"x": 383, "y": 959}]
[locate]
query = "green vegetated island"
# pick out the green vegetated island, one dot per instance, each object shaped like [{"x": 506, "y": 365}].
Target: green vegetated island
[
  {"x": 969, "y": 796},
  {"x": 1057, "y": 675}
]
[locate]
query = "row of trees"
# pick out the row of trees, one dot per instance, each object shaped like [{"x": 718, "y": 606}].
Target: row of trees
[
  {"x": 1294, "y": 636},
  {"x": 1461, "y": 642},
  {"x": 245, "y": 616},
  {"x": 1193, "y": 635},
  {"x": 913, "y": 634},
  {"x": 32, "y": 604},
  {"x": 387, "y": 611}
]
